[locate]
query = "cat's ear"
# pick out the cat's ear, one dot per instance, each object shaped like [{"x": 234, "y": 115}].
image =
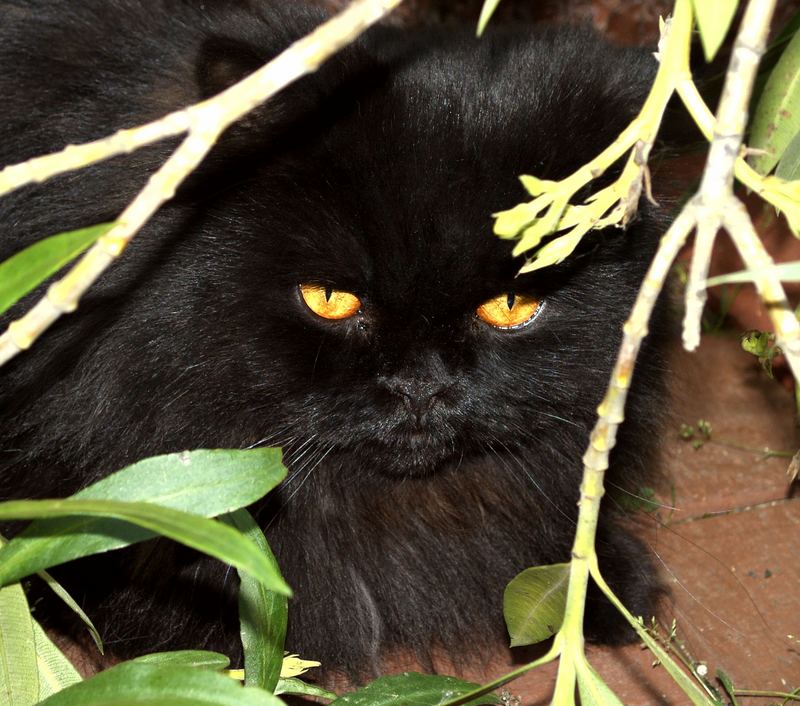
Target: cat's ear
[
  {"x": 224, "y": 62},
  {"x": 249, "y": 41}
]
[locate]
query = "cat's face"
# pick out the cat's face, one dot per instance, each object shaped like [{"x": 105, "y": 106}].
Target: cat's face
[{"x": 385, "y": 323}]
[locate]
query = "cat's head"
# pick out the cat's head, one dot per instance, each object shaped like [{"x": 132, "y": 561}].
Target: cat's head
[
  {"x": 358, "y": 276},
  {"x": 329, "y": 281}
]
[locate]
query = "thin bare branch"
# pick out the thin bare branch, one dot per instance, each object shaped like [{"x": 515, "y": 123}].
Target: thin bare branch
[
  {"x": 204, "y": 123},
  {"x": 728, "y": 133}
]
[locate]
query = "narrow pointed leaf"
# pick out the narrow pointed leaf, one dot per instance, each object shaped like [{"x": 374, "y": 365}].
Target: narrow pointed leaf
[
  {"x": 199, "y": 659},
  {"x": 262, "y": 614},
  {"x": 136, "y": 684},
  {"x": 19, "y": 680},
  {"x": 23, "y": 272},
  {"x": 509, "y": 224},
  {"x": 727, "y": 684},
  {"x": 776, "y": 119},
  {"x": 535, "y": 186},
  {"x": 546, "y": 225},
  {"x": 593, "y": 690},
  {"x": 202, "y": 482},
  {"x": 297, "y": 686},
  {"x": 412, "y": 689},
  {"x": 692, "y": 691},
  {"x": 489, "y": 6},
  {"x": 557, "y": 250},
  {"x": 786, "y": 271},
  {"x": 713, "y": 20},
  {"x": 789, "y": 166},
  {"x": 209, "y": 536},
  {"x": 55, "y": 670},
  {"x": 62, "y": 593},
  {"x": 534, "y": 602}
]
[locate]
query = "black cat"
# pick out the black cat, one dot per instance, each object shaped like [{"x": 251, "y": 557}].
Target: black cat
[{"x": 328, "y": 282}]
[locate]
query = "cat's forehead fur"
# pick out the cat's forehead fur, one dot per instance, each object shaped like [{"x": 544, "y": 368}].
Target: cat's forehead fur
[{"x": 421, "y": 154}]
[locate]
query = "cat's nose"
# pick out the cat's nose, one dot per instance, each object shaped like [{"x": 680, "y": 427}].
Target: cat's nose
[{"x": 418, "y": 396}]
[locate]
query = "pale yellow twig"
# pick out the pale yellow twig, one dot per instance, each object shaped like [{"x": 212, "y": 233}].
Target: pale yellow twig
[
  {"x": 728, "y": 211},
  {"x": 75, "y": 157},
  {"x": 712, "y": 207},
  {"x": 716, "y": 187},
  {"x": 204, "y": 123}
]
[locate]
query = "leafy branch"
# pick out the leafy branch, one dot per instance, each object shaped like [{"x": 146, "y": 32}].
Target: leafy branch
[
  {"x": 203, "y": 123},
  {"x": 551, "y": 211},
  {"x": 713, "y": 207}
]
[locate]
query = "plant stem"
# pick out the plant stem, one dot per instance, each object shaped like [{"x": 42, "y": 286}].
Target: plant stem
[
  {"x": 716, "y": 186},
  {"x": 773, "y": 694},
  {"x": 552, "y": 653},
  {"x": 204, "y": 123}
]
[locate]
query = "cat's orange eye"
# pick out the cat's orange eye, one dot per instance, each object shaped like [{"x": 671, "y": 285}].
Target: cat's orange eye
[
  {"x": 509, "y": 310},
  {"x": 330, "y": 303}
]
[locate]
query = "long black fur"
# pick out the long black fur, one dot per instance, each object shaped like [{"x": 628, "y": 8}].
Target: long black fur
[{"x": 376, "y": 175}]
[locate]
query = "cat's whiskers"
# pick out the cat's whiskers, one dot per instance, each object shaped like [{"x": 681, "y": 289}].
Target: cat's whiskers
[
  {"x": 274, "y": 438},
  {"x": 293, "y": 456},
  {"x": 311, "y": 468},
  {"x": 311, "y": 463},
  {"x": 527, "y": 473},
  {"x": 311, "y": 456}
]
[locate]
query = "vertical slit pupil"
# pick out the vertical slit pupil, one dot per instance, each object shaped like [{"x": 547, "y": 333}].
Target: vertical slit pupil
[
  {"x": 510, "y": 300},
  {"x": 328, "y": 292}
]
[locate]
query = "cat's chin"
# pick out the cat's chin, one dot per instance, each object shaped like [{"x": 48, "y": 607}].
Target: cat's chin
[{"x": 412, "y": 460}]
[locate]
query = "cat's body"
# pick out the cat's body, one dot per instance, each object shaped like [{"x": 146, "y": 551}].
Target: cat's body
[{"x": 397, "y": 529}]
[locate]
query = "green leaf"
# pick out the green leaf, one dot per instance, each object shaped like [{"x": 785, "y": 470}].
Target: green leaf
[
  {"x": 770, "y": 58},
  {"x": 62, "y": 593},
  {"x": 535, "y": 186},
  {"x": 534, "y": 602},
  {"x": 556, "y": 251},
  {"x": 643, "y": 501},
  {"x": 786, "y": 271},
  {"x": 207, "y": 483},
  {"x": 297, "y": 686},
  {"x": 783, "y": 37},
  {"x": 593, "y": 690},
  {"x": 55, "y": 670},
  {"x": 509, "y": 224},
  {"x": 541, "y": 228},
  {"x": 23, "y": 272},
  {"x": 199, "y": 659},
  {"x": 727, "y": 684},
  {"x": 776, "y": 119},
  {"x": 209, "y": 536},
  {"x": 136, "y": 684},
  {"x": 489, "y": 6},
  {"x": 19, "y": 682},
  {"x": 789, "y": 166},
  {"x": 262, "y": 614},
  {"x": 412, "y": 689},
  {"x": 713, "y": 20}
]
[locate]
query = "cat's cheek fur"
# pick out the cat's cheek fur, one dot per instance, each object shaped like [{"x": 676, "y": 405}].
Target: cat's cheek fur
[{"x": 431, "y": 458}]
